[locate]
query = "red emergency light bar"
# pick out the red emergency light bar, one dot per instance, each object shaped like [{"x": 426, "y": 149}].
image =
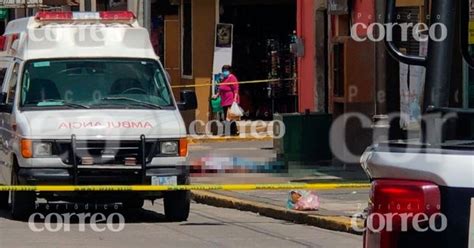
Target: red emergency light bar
[
  {"x": 54, "y": 16},
  {"x": 117, "y": 15},
  {"x": 105, "y": 16},
  {"x": 3, "y": 43}
]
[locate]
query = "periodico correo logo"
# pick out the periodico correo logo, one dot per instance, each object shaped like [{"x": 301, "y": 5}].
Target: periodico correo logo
[
  {"x": 81, "y": 222},
  {"x": 377, "y": 32}
]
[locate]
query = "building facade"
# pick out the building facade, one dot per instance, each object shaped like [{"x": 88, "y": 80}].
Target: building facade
[
  {"x": 184, "y": 33},
  {"x": 263, "y": 34}
]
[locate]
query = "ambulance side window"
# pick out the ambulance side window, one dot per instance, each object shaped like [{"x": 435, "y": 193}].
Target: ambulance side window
[{"x": 12, "y": 84}]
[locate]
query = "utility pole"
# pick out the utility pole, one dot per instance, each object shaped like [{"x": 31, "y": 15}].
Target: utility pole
[
  {"x": 26, "y": 8},
  {"x": 147, "y": 14},
  {"x": 380, "y": 119},
  {"x": 439, "y": 62}
]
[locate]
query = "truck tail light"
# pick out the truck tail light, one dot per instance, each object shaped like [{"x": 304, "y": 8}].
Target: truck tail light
[{"x": 397, "y": 202}]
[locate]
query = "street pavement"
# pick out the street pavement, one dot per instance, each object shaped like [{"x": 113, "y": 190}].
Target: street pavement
[
  {"x": 206, "y": 227},
  {"x": 218, "y": 163}
]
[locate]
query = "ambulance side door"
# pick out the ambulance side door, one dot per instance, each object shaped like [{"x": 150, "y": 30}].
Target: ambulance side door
[{"x": 5, "y": 70}]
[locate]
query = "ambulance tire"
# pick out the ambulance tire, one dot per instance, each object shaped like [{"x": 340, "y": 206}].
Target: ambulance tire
[
  {"x": 177, "y": 205},
  {"x": 22, "y": 203},
  {"x": 4, "y": 195}
]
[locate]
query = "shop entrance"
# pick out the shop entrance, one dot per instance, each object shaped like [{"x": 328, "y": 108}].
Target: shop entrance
[{"x": 263, "y": 32}]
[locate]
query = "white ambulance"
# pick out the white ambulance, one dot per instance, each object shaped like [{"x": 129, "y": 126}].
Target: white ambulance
[{"x": 85, "y": 101}]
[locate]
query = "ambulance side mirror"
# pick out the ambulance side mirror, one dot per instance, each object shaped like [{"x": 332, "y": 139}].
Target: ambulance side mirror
[
  {"x": 188, "y": 100},
  {"x": 3, "y": 97},
  {"x": 4, "y": 106}
]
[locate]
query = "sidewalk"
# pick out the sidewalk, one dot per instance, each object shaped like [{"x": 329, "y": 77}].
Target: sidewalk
[
  {"x": 256, "y": 162},
  {"x": 216, "y": 139},
  {"x": 249, "y": 131},
  {"x": 336, "y": 209}
]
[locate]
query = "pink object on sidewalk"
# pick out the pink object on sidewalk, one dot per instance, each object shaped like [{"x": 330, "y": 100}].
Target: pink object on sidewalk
[{"x": 303, "y": 200}]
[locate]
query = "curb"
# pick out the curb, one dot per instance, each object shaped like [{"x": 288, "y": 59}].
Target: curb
[
  {"x": 334, "y": 223},
  {"x": 217, "y": 139}
]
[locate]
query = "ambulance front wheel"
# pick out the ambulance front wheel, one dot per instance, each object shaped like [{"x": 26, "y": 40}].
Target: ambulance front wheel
[
  {"x": 4, "y": 199},
  {"x": 177, "y": 205},
  {"x": 23, "y": 202}
]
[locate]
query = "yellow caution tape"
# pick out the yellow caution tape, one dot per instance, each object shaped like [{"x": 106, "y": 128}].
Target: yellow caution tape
[
  {"x": 243, "y": 82},
  {"x": 148, "y": 188}
]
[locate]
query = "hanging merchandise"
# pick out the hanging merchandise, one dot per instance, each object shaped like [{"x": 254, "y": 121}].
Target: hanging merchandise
[
  {"x": 412, "y": 83},
  {"x": 282, "y": 65}
]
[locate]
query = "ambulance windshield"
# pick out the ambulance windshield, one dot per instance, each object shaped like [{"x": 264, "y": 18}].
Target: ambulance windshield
[{"x": 95, "y": 83}]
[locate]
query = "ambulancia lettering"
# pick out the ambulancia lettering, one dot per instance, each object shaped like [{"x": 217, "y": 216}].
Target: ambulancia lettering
[{"x": 110, "y": 124}]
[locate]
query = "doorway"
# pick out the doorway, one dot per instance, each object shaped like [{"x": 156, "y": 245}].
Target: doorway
[{"x": 263, "y": 32}]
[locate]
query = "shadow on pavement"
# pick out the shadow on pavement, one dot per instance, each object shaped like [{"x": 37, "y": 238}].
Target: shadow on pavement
[
  {"x": 131, "y": 216},
  {"x": 203, "y": 224}
]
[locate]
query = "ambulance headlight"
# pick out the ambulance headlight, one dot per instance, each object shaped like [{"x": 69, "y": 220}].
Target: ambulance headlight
[
  {"x": 42, "y": 149},
  {"x": 170, "y": 147}
]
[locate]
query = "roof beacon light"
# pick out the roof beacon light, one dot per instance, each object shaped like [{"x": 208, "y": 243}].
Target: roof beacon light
[{"x": 54, "y": 16}]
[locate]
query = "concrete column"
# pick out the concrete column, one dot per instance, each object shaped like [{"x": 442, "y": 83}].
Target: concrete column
[
  {"x": 306, "y": 27},
  {"x": 142, "y": 10},
  {"x": 321, "y": 65},
  {"x": 139, "y": 13},
  {"x": 132, "y": 6},
  {"x": 147, "y": 14},
  {"x": 19, "y": 13},
  {"x": 88, "y": 5},
  {"x": 380, "y": 119}
]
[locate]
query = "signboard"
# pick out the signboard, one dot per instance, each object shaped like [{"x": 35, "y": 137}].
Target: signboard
[
  {"x": 471, "y": 22},
  {"x": 222, "y": 50},
  {"x": 338, "y": 7},
  {"x": 3, "y": 14},
  {"x": 471, "y": 32},
  {"x": 224, "y": 36}
]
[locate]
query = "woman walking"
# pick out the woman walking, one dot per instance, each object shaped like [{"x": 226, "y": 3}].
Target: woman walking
[{"x": 229, "y": 93}]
